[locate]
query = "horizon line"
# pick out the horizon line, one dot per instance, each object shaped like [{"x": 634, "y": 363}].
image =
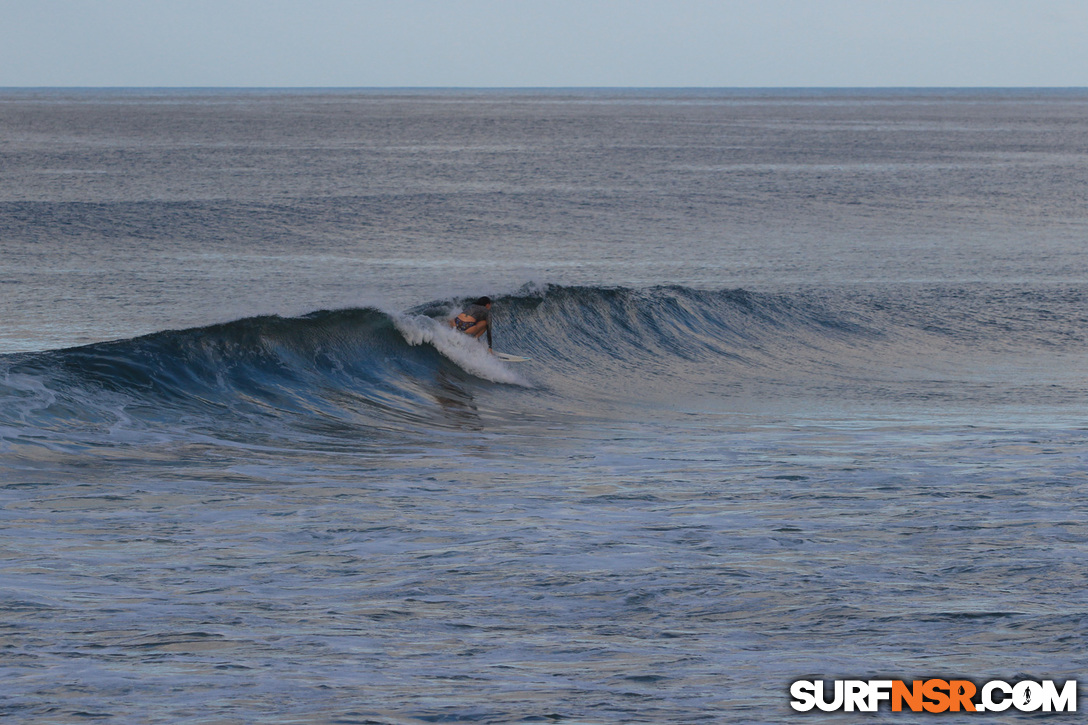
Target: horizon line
[{"x": 543, "y": 88}]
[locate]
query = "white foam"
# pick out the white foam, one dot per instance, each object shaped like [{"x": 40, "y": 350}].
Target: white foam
[{"x": 468, "y": 353}]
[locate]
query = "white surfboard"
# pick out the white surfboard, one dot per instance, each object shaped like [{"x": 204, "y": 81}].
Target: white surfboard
[{"x": 507, "y": 357}]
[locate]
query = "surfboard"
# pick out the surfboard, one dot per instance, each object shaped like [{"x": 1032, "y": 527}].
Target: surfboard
[{"x": 507, "y": 357}]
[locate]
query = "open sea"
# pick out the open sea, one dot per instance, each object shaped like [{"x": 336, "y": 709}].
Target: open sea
[{"x": 808, "y": 399}]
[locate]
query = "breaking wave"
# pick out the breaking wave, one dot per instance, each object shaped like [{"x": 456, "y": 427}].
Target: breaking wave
[{"x": 361, "y": 374}]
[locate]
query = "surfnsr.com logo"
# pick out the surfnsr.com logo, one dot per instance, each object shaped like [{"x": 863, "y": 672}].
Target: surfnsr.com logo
[{"x": 935, "y": 696}]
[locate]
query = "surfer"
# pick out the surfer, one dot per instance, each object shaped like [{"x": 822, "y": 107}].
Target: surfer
[{"x": 475, "y": 320}]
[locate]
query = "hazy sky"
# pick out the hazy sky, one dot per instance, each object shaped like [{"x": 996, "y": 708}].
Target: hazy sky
[{"x": 543, "y": 43}]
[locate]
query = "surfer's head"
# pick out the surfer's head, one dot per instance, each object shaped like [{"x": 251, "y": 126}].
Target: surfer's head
[{"x": 483, "y": 302}]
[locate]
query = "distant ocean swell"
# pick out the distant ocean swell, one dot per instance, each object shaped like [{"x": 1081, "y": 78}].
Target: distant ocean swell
[{"x": 369, "y": 373}]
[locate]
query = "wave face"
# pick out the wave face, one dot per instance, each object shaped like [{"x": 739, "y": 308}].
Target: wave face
[
  {"x": 363, "y": 376},
  {"x": 313, "y": 377}
]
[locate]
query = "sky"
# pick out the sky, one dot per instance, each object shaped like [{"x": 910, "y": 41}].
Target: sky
[{"x": 544, "y": 43}]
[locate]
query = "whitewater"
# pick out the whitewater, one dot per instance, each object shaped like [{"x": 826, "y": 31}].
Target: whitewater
[{"x": 805, "y": 401}]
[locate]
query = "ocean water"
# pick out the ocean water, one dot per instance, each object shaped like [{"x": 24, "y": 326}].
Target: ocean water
[{"x": 806, "y": 401}]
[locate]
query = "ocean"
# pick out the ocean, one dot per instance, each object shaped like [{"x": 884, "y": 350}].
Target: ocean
[{"x": 806, "y": 401}]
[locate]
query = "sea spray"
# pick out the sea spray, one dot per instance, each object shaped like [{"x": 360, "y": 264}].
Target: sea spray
[{"x": 469, "y": 353}]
